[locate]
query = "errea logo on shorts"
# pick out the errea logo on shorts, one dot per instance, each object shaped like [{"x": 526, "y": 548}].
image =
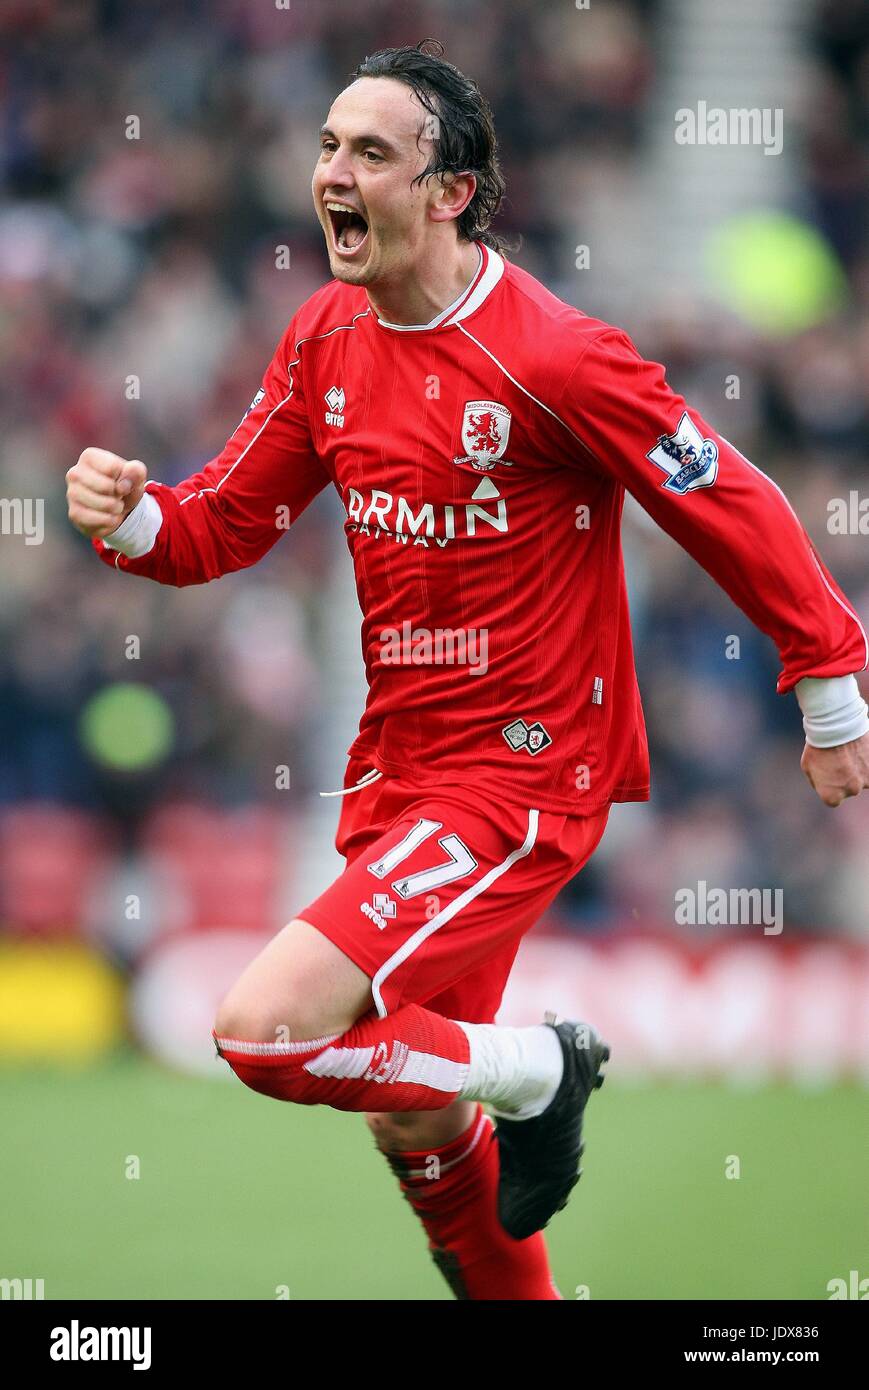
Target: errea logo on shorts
[
  {"x": 380, "y": 909},
  {"x": 335, "y": 400}
]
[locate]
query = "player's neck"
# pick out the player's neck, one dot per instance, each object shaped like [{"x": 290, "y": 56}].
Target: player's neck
[{"x": 421, "y": 296}]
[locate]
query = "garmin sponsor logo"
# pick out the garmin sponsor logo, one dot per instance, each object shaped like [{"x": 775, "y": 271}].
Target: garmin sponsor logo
[{"x": 379, "y": 514}]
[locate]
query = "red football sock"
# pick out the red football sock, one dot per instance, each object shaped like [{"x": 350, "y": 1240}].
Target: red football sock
[
  {"x": 410, "y": 1060},
  {"x": 454, "y": 1192}
]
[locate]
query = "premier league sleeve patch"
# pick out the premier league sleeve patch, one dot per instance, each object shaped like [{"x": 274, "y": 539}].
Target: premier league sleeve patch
[
  {"x": 260, "y": 395},
  {"x": 689, "y": 460}
]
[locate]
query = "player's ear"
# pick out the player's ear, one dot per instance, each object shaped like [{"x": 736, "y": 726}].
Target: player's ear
[{"x": 452, "y": 194}]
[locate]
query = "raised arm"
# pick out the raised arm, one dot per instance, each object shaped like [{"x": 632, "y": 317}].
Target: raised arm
[
  {"x": 738, "y": 524},
  {"x": 225, "y": 517}
]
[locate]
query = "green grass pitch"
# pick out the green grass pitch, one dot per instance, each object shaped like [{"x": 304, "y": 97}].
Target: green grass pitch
[{"x": 239, "y": 1195}]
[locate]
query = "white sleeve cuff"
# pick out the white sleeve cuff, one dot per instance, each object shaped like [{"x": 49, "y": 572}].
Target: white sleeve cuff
[
  {"x": 137, "y": 533},
  {"x": 834, "y": 711}
]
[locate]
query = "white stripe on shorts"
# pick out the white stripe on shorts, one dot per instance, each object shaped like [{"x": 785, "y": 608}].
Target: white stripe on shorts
[{"x": 441, "y": 918}]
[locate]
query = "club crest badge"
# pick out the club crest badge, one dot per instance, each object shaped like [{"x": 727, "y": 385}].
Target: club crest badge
[
  {"x": 485, "y": 431},
  {"x": 689, "y": 460},
  {"x": 532, "y": 737}
]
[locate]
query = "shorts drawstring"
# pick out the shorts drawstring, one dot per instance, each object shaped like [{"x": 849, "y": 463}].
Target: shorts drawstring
[{"x": 363, "y": 782}]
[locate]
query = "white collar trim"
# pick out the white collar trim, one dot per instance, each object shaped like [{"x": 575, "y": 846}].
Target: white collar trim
[{"x": 490, "y": 268}]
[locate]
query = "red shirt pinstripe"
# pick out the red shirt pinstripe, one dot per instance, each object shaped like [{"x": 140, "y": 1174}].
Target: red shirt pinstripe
[{"x": 482, "y": 461}]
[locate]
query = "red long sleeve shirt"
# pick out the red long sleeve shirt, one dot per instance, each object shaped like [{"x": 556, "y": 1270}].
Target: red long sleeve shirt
[{"x": 482, "y": 462}]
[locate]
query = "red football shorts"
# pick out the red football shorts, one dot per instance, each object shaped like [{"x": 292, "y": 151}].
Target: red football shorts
[{"x": 440, "y": 887}]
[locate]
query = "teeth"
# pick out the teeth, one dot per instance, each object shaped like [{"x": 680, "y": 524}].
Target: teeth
[{"x": 343, "y": 228}]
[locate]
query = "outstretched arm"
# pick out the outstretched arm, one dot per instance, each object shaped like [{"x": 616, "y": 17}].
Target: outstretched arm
[{"x": 740, "y": 527}]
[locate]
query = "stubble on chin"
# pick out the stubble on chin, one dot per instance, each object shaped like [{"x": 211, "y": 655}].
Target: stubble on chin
[{"x": 350, "y": 275}]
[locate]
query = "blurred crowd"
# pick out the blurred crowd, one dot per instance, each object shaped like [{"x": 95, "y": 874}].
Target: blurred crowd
[{"x": 140, "y": 301}]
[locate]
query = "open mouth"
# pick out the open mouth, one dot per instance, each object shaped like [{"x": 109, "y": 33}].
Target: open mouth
[{"x": 349, "y": 228}]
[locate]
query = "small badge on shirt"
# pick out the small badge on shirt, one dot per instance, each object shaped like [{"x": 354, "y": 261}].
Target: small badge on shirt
[
  {"x": 532, "y": 737},
  {"x": 689, "y": 460},
  {"x": 336, "y": 401},
  {"x": 260, "y": 395},
  {"x": 485, "y": 431}
]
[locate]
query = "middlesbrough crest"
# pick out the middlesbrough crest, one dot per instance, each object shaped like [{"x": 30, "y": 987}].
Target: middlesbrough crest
[
  {"x": 531, "y": 737},
  {"x": 485, "y": 431}
]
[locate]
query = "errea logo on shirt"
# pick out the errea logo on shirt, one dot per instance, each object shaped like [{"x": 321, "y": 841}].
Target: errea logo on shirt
[{"x": 335, "y": 400}]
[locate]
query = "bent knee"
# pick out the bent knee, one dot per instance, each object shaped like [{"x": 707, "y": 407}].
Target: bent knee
[
  {"x": 243, "y": 1019},
  {"x": 243, "y": 1014},
  {"x": 253, "y": 1016},
  {"x": 299, "y": 987}
]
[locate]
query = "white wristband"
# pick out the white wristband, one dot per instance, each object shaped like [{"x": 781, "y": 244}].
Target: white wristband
[
  {"x": 137, "y": 533},
  {"x": 834, "y": 711}
]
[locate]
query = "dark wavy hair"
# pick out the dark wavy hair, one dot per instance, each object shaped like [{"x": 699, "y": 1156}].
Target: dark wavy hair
[{"x": 465, "y": 140}]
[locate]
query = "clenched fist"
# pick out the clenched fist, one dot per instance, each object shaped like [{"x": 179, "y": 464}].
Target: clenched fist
[
  {"x": 837, "y": 773},
  {"x": 102, "y": 489}
]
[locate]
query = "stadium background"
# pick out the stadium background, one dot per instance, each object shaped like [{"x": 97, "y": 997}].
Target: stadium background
[{"x": 148, "y": 839}]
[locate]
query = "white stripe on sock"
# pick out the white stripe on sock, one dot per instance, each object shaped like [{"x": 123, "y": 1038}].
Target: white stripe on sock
[
  {"x": 263, "y": 1049},
  {"x": 415, "y": 1068},
  {"x": 483, "y": 1124}
]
